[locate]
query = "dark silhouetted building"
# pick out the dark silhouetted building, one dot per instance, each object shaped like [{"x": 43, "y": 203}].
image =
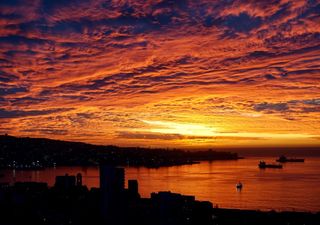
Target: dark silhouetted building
[
  {"x": 65, "y": 182},
  {"x": 31, "y": 186},
  {"x": 133, "y": 186},
  {"x": 111, "y": 179},
  {"x": 79, "y": 180},
  {"x": 133, "y": 189},
  {"x": 112, "y": 193},
  {"x": 174, "y": 208}
]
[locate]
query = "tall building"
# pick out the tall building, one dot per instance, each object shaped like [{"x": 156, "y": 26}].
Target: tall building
[
  {"x": 112, "y": 179},
  {"x": 65, "y": 182},
  {"x": 133, "y": 188},
  {"x": 112, "y": 192},
  {"x": 79, "y": 180}
]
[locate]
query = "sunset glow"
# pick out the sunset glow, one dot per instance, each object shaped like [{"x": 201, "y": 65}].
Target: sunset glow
[
  {"x": 183, "y": 129},
  {"x": 162, "y": 73}
]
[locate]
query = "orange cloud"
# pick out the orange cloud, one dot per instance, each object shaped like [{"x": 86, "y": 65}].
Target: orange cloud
[{"x": 245, "y": 72}]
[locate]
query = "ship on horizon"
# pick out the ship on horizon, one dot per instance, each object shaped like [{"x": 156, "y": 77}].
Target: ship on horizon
[
  {"x": 283, "y": 159},
  {"x": 264, "y": 165}
]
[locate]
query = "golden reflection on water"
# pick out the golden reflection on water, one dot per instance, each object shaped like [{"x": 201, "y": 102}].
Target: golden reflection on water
[{"x": 295, "y": 187}]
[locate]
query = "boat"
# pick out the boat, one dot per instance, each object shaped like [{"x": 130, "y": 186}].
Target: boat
[
  {"x": 284, "y": 159},
  {"x": 239, "y": 185},
  {"x": 263, "y": 165}
]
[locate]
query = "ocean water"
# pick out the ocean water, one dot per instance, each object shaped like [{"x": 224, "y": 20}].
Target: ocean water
[{"x": 296, "y": 187}]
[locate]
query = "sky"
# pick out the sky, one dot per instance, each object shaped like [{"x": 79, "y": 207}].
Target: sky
[{"x": 162, "y": 73}]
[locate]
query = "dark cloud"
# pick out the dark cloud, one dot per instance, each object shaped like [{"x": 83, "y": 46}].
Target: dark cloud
[
  {"x": 26, "y": 100},
  {"x": 304, "y": 71},
  {"x": 260, "y": 54},
  {"x": 11, "y": 2},
  {"x": 292, "y": 106},
  {"x": 9, "y": 90},
  {"x": 46, "y": 131},
  {"x": 136, "y": 135},
  {"x": 51, "y": 6},
  {"x": 6, "y": 77},
  {"x": 282, "y": 12},
  {"x": 271, "y": 107},
  {"x": 242, "y": 23},
  {"x": 315, "y": 101},
  {"x": 24, "y": 113},
  {"x": 16, "y": 40},
  {"x": 270, "y": 77}
]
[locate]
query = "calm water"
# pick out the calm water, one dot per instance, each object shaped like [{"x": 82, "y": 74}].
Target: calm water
[{"x": 295, "y": 187}]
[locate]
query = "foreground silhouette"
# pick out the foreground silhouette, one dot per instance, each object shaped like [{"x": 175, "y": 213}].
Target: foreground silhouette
[{"x": 70, "y": 202}]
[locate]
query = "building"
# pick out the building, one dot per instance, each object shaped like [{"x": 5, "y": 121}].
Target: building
[
  {"x": 79, "y": 180},
  {"x": 112, "y": 179},
  {"x": 65, "y": 182},
  {"x": 133, "y": 190},
  {"x": 133, "y": 187},
  {"x": 112, "y": 193}
]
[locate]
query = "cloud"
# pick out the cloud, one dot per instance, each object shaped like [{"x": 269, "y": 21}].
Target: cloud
[
  {"x": 46, "y": 131},
  {"x": 21, "y": 113},
  {"x": 270, "y": 77},
  {"x": 242, "y": 22},
  {"x": 10, "y": 89},
  {"x": 271, "y": 107},
  {"x": 228, "y": 64},
  {"x": 292, "y": 106},
  {"x": 312, "y": 101},
  {"x": 178, "y": 137},
  {"x": 139, "y": 135}
]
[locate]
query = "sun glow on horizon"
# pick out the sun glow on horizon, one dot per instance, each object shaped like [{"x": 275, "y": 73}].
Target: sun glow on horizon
[
  {"x": 205, "y": 131},
  {"x": 188, "y": 129}
]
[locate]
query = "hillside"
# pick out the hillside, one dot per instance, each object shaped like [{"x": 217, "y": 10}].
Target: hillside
[{"x": 17, "y": 151}]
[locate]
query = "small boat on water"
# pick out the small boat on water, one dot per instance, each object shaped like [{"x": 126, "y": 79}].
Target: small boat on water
[
  {"x": 239, "y": 185},
  {"x": 284, "y": 159},
  {"x": 264, "y": 165}
]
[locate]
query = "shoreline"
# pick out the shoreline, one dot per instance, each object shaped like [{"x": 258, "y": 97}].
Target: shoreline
[{"x": 149, "y": 166}]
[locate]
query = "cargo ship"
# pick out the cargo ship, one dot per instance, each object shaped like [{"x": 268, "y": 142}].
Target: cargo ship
[
  {"x": 263, "y": 165},
  {"x": 284, "y": 159}
]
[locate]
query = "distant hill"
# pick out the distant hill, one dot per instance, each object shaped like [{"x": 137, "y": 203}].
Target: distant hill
[{"x": 22, "y": 152}]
